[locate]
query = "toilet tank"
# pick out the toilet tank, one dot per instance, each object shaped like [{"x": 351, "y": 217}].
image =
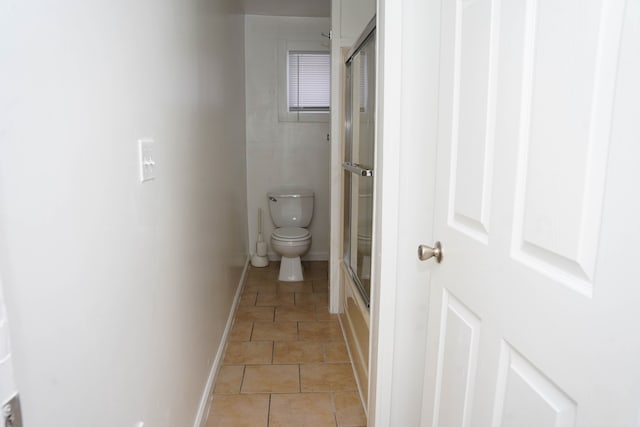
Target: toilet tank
[{"x": 291, "y": 208}]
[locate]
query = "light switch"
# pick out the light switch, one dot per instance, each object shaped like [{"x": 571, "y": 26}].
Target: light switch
[{"x": 147, "y": 163}]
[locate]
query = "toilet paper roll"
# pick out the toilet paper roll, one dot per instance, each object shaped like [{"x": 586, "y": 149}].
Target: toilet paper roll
[{"x": 261, "y": 248}]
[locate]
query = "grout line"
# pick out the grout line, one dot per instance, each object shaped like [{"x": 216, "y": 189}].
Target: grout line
[
  {"x": 244, "y": 369},
  {"x": 269, "y": 411},
  {"x": 333, "y": 406}
]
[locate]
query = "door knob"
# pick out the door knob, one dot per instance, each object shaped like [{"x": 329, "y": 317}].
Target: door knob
[{"x": 425, "y": 252}]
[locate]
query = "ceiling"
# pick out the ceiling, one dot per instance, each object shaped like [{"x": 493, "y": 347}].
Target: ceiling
[{"x": 315, "y": 8}]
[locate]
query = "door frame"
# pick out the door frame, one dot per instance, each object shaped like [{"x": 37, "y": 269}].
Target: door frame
[
  {"x": 8, "y": 387},
  {"x": 405, "y": 164}
]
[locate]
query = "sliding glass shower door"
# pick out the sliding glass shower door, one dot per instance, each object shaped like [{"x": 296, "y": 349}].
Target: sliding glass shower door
[{"x": 359, "y": 159}]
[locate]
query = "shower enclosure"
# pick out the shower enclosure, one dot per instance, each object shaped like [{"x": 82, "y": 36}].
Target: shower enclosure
[
  {"x": 359, "y": 159},
  {"x": 359, "y": 148}
]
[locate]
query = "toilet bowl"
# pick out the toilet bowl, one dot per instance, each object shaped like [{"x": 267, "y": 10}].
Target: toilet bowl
[
  {"x": 291, "y": 243},
  {"x": 291, "y": 211}
]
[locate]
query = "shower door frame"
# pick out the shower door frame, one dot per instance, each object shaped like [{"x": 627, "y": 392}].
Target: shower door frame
[{"x": 349, "y": 168}]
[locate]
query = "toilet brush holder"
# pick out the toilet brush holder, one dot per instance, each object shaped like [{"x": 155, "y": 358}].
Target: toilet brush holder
[
  {"x": 261, "y": 249},
  {"x": 260, "y": 258},
  {"x": 259, "y": 261}
]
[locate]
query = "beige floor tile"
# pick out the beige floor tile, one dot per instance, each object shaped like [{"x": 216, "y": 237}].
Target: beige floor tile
[
  {"x": 316, "y": 269},
  {"x": 270, "y": 270},
  {"x": 271, "y": 379},
  {"x": 306, "y": 391},
  {"x": 275, "y": 331},
  {"x": 244, "y": 353},
  {"x": 327, "y": 377},
  {"x": 277, "y": 299},
  {"x": 262, "y": 314},
  {"x": 240, "y": 410},
  {"x": 335, "y": 352},
  {"x": 259, "y": 286},
  {"x": 241, "y": 331},
  {"x": 319, "y": 331},
  {"x": 323, "y": 315},
  {"x": 248, "y": 299},
  {"x": 301, "y": 287},
  {"x": 297, "y": 352},
  {"x": 263, "y": 275},
  {"x": 306, "y": 298},
  {"x": 349, "y": 412},
  {"x": 293, "y": 314},
  {"x": 320, "y": 285},
  {"x": 316, "y": 275},
  {"x": 301, "y": 410},
  {"x": 229, "y": 379}
]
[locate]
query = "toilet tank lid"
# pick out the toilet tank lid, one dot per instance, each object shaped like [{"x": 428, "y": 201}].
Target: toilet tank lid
[{"x": 291, "y": 193}]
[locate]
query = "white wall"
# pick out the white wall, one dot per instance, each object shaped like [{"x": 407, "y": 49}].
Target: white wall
[
  {"x": 282, "y": 154},
  {"x": 118, "y": 292},
  {"x": 349, "y": 18}
]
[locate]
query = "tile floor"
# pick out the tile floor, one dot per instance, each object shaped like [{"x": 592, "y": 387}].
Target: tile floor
[{"x": 286, "y": 363}]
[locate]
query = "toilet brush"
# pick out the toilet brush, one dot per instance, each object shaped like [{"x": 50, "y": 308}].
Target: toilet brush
[
  {"x": 260, "y": 258},
  {"x": 261, "y": 246}
]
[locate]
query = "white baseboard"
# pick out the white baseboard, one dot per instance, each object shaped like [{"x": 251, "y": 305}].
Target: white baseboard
[
  {"x": 205, "y": 401},
  {"x": 316, "y": 256}
]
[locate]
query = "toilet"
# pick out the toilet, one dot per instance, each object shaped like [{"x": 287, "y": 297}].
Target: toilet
[{"x": 291, "y": 212}]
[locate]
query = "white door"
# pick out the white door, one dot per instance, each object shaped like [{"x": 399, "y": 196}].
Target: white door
[
  {"x": 534, "y": 313},
  {"x": 7, "y": 384}
]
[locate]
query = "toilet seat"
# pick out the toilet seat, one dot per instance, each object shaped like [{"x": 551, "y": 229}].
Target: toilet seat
[{"x": 290, "y": 234}]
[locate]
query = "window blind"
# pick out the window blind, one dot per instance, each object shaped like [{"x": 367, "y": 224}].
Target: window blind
[{"x": 308, "y": 81}]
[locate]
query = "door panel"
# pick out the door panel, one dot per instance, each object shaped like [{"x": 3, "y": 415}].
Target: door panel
[
  {"x": 457, "y": 362},
  {"x": 527, "y": 326},
  {"x": 521, "y": 385},
  {"x": 565, "y": 117},
  {"x": 472, "y": 121}
]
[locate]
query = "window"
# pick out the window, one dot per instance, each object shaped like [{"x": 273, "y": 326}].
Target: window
[
  {"x": 308, "y": 81},
  {"x": 304, "y": 81}
]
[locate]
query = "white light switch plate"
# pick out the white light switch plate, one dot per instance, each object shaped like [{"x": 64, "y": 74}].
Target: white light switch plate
[{"x": 147, "y": 163}]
